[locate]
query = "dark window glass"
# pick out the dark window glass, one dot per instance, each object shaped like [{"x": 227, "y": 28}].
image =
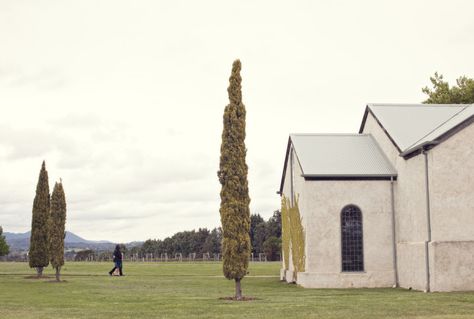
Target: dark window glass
[{"x": 352, "y": 243}]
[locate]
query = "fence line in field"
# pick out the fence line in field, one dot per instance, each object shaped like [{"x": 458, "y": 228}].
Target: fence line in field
[{"x": 148, "y": 257}]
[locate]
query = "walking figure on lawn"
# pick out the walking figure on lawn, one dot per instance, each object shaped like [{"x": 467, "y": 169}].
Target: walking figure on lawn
[{"x": 118, "y": 256}]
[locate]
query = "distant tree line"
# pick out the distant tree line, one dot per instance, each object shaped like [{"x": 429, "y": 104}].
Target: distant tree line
[
  {"x": 201, "y": 242},
  {"x": 4, "y": 248},
  {"x": 265, "y": 237}
]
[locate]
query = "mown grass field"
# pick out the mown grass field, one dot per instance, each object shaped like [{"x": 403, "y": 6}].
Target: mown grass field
[{"x": 192, "y": 290}]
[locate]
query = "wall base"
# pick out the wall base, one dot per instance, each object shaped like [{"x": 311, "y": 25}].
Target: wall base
[
  {"x": 452, "y": 265},
  {"x": 289, "y": 276},
  {"x": 374, "y": 279},
  {"x": 282, "y": 274}
]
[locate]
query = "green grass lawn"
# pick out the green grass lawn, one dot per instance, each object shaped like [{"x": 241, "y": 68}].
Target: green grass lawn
[{"x": 192, "y": 290}]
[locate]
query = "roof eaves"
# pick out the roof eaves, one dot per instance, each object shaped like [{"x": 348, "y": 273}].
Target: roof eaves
[
  {"x": 288, "y": 150},
  {"x": 364, "y": 118},
  {"x": 456, "y": 129},
  {"x": 282, "y": 181},
  {"x": 414, "y": 145},
  {"x": 423, "y": 146},
  {"x": 430, "y": 144},
  {"x": 349, "y": 175},
  {"x": 326, "y": 177}
]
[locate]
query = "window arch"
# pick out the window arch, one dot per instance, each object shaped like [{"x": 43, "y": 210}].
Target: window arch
[{"x": 352, "y": 239}]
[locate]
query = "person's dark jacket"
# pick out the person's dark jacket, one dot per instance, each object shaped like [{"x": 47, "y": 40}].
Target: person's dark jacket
[{"x": 117, "y": 255}]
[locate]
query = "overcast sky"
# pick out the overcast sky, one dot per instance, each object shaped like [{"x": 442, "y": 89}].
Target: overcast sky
[{"x": 124, "y": 99}]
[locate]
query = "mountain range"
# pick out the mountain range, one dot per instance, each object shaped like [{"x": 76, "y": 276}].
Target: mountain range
[{"x": 21, "y": 241}]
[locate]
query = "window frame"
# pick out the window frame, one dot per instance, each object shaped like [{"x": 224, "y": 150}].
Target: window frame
[{"x": 361, "y": 220}]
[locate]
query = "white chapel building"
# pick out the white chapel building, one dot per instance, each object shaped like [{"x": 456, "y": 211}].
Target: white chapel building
[{"x": 390, "y": 206}]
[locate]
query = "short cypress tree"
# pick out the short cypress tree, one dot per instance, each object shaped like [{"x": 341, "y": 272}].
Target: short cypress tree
[
  {"x": 57, "y": 231},
  {"x": 38, "y": 255},
  {"x": 4, "y": 248},
  {"x": 234, "y": 209}
]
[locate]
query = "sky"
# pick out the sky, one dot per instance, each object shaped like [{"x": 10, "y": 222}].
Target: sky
[{"x": 124, "y": 99}]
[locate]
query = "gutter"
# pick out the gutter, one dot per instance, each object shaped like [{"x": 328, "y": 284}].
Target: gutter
[
  {"x": 428, "y": 221},
  {"x": 422, "y": 147},
  {"x": 394, "y": 239},
  {"x": 292, "y": 185},
  {"x": 388, "y": 176}
]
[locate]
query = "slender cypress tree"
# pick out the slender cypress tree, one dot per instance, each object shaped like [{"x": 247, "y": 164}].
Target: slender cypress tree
[
  {"x": 39, "y": 255},
  {"x": 57, "y": 225},
  {"x": 234, "y": 209}
]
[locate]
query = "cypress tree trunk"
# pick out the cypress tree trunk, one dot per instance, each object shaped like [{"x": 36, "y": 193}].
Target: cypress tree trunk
[
  {"x": 238, "y": 290},
  {"x": 234, "y": 209},
  {"x": 39, "y": 241},
  {"x": 58, "y": 270}
]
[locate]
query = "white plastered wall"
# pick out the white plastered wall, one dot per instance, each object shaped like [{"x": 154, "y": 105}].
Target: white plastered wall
[
  {"x": 451, "y": 176},
  {"x": 321, "y": 209},
  {"x": 410, "y": 210},
  {"x": 451, "y": 181}
]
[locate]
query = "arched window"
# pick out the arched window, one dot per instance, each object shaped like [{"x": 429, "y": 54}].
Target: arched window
[{"x": 352, "y": 241}]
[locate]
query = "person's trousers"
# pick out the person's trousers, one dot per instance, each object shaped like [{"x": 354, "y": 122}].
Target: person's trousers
[{"x": 118, "y": 264}]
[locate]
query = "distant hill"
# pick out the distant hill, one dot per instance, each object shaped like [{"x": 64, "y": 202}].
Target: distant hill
[{"x": 21, "y": 241}]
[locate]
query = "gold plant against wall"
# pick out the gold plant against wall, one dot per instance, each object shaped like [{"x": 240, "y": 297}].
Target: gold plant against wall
[
  {"x": 285, "y": 232},
  {"x": 297, "y": 239},
  {"x": 293, "y": 236}
]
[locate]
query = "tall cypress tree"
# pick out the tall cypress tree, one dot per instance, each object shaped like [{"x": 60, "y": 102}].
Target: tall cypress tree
[
  {"x": 38, "y": 255},
  {"x": 234, "y": 209},
  {"x": 57, "y": 225}
]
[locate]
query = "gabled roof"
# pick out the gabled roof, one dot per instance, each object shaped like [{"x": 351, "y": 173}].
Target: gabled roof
[
  {"x": 410, "y": 126},
  {"x": 339, "y": 156}
]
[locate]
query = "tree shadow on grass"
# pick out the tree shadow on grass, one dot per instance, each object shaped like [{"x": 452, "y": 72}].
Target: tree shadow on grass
[
  {"x": 38, "y": 277},
  {"x": 235, "y": 299}
]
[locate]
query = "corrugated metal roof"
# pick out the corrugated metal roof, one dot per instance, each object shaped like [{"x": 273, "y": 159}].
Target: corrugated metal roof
[
  {"x": 341, "y": 155},
  {"x": 411, "y": 125}
]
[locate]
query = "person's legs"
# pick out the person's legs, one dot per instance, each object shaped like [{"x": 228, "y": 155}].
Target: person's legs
[
  {"x": 117, "y": 264},
  {"x": 120, "y": 268}
]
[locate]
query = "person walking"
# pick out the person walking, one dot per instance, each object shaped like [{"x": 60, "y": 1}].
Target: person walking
[{"x": 118, "y": 256}]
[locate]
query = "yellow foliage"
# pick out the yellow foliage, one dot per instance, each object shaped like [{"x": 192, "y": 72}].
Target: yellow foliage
[
  {"x": 293, "y": 236},
  {"x": 297, "y": 240},
  {"x": 285, "y": 232}
]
